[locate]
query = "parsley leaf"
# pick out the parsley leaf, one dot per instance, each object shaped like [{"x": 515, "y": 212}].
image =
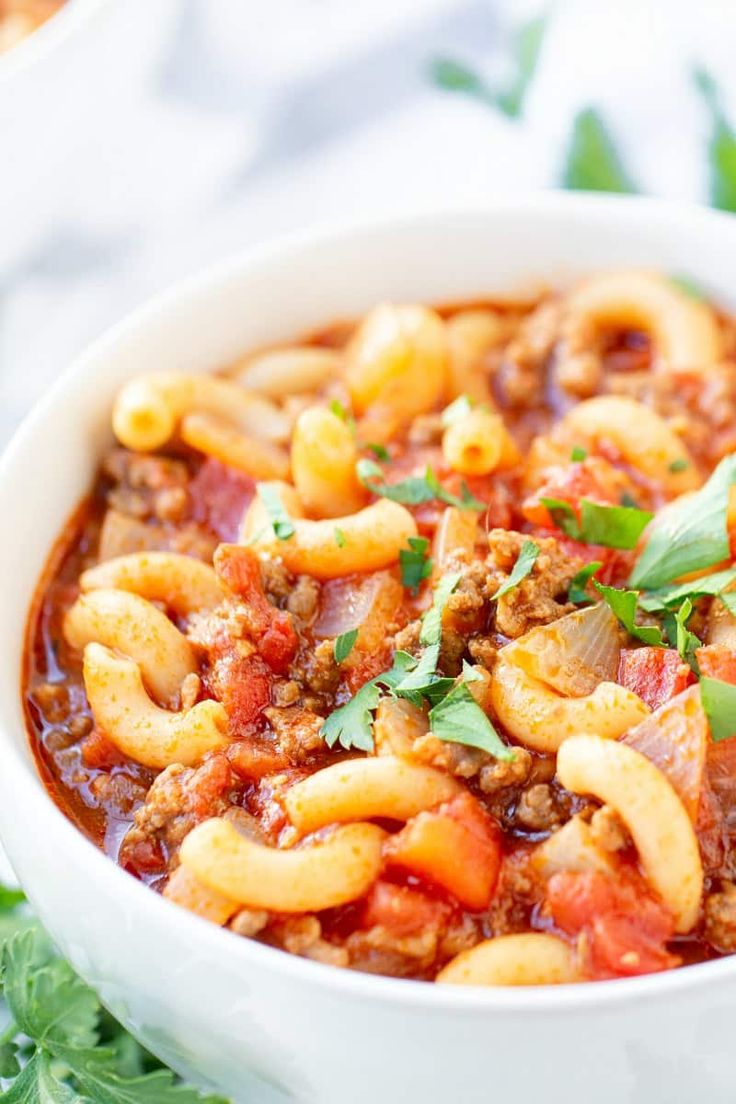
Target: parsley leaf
[
  {"x": 578, "y": 454},
  {"x": 686, "y": 642},
  {"x": 282, "y": 524},
  {"x": 706, "y": 585},
  {"x": 423, "y": 681},
  {"x": 414, "y": 490},
  {"x": 690, "y": 534},
  {"x": 431, "y": 631},
  {"x": 719, "y": 703},
  {"x": 623, "y": 604},
  {"x": 458, "y": 719},
  {"x": 577, "y": 592},
  {"x": 523, "y": 566},
  {"x": 415, "y": 563},
  {"x": 339, "y": 537},
  {"x": 379, "y": 451},
  {"x": 593, "y": 163},
  {"x": 343, "y": 645},
  {"x": 721, "y": 146},
  {"x": 351, "y": 725},
  {"x": 454, "y": 76},
  {"x": 679, "y": 465},
  {"x": 343, "y": 414},
  {"x": 609, "y": 526}
]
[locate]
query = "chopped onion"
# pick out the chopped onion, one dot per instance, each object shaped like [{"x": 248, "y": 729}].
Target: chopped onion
[
  {"x": 369, "y": 603},
  {"x": 573, "y": 654}
]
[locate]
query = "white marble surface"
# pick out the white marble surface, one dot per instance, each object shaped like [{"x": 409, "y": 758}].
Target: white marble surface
[{"x": 256, "y": 117}]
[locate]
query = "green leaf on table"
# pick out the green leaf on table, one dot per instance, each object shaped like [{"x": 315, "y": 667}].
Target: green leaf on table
[
  {"x": 458, "y": 719},
  {"x": 623, "y": 604},
  {"x": 719, "y": 703},
  {"x": 523, "y": 567},
  {"x": 721, "y": 145},
  {"x": 101, "y": 1083},
  {"x": 608, "y": 526},
  {"x": 593, "y": 163},
  {"x": 691, "y": 533}
]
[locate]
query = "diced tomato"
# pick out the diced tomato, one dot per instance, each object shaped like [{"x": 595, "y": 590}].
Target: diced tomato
[
  {"x": 587, "y": 479},
  {"x": 624, "y": 926},
  {"x": 273, "y": 633},
  {"x": 675, "y": 738},
  {"x": 98, "y": 752},
  {"x": 218, "y": 497},
  {"x": 402, "y": 910},
  {"x": 718, "y": 662},
  {"x": 717, "y": 821},
  {"x": 255, "y": 760},
  {"x": 243, "y": 685},
  {"x": 655, "y": 674},
  {"x": 207, "y": 785},
  {"x": 367, "y": 667},
  {"x": 458, "y": 847}
]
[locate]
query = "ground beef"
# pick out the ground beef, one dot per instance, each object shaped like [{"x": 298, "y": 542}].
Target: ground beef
[
  {"x": 303, "y": 599},
  {"x": 146, "y": 486},
  {"x": 541, "y": 597},
  {"x": 52, "y": 698},
  {"x": 302, "y": 935},
  {"x": 498, "y": 775},
  {"x": 122, "y": 534},
  {"x": 297, "y": 731},
  {"x": 521, "y": 378},
  {"x": 720, "y": 919},
  {"x": 538, "y": 809}
]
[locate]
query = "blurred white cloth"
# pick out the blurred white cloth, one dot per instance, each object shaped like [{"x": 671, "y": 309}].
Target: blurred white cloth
[{"x": 259, "y": 118}]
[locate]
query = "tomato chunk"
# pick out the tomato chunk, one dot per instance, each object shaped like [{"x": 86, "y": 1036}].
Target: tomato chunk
[
  {"x": 402, "y": 909},
  {"x": 457, "y": 847},
  {"x": 243, "y": 685},
  {"x": 624, "y": 926},
  {"x": 594, "y": 479},
  {"x": 271, "y": 628},
  {"x": 718, "y": 662},
  {"x": 655, "y": 674}
]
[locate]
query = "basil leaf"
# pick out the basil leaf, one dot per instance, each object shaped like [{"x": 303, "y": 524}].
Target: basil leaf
[
  {"x": 343, "y": 645},
  {"x": 608, "y": 526},
  {"x": 577, "y": 592},
  {"x": 593, "y": 163},
  {"x": 623, "y": 604},
  {"x": 721, "y": 145},
  {"x": 282, "y": 524},
  {"x": 415, "y": 563},
  {"x": 690, "y": 534},
  {"x": 431, "y": 631},
  {"x": 719, "y": 702},
  {"x": 523, "y": 566},
  {"x": 458, "y": 719}
]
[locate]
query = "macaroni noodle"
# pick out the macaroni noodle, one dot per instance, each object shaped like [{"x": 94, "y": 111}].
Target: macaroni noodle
[{"x": 528, "y": 959}]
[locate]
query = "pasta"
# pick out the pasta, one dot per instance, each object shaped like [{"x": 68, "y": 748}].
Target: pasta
[{"x": 410, "y": 647}]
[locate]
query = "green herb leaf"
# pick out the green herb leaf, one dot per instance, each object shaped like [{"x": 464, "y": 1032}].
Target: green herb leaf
[
  {"x": 282, "y": 524},
  {"x": 423, "y": 681},
  {"x": 10, "y": 898},
  {"x": 523, "y": 566},
  {"x": 458, "y": 719},
  {"x": 415, "y": 490},
  {"x": 721, "y": 146},
  {"x": 339, "y": 537},
  {"x": 690, "y": 533},
  {"x": 379, "y": 451},
  {"x": 676, "y": 466},
  {"x": 38, "y": 1084},
  {"x": 9, "y": 1066},
  {"x": 609, "y": 526},
  {"x": 686, "y": 642},
  {"x": 593, "y": 163},
  {"x": 623, "y": 604},
  {"x": 578, "y": 454},
  {"x": 415, "y": 563},
  {"x": 343, "y": 645},
  {"x": 101, "y": 1083},
  {"x": 351, "y": 725},
  {"x": 719, "y": 703},
  {"x": 431, "y": 631},
  {"x": 457, "y": 409},
  {"x": 705, "y": 586},
  {"x": 577, "y": 592}
]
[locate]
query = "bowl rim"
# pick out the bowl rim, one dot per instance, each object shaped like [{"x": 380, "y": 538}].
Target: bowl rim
[
  {"x": 156, "y": 911},
  {"x": 45, "y": 39}
]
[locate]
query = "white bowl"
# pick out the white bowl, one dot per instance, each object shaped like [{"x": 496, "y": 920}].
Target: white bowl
[{"x": 258, "y": 1023}]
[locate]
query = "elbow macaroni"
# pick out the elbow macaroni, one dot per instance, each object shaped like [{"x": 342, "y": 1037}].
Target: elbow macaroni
[
  {"x": 212, "y": 435},
  {"x": 531, "y": 958},
  {"x": 140, "y": 729},
  {"x": 315, "y": 876},
  {"x": 323, "y": 459},
  {"x": 478, "y": 443},
  {"x": 283, "y": 372},
  {"x": 651, "y": 810},
  {"x": 186, "y": 585}
]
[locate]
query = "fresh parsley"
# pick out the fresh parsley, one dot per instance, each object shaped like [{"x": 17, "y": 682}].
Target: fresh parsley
[
  {"x": 414, "y": 490},
  {"x": 707, "y": 585},
  {"x": 677, "y": 466},
  {"x": 719, "y": 702},
  {"x": 577, "y": 591},
  {"x": 431, "y": 631},
  {"x": 523, "y": 566},
  {"x": 343, "y": 645},
  {"x": 593, "y": 163},
  {"x": 578, "y": 454},
  {"x": 686, "y": 642},
  {"x": 379, "y": 451},
  {"x": 339, "y": 537},
  {"x": 282, "y": 524},
  {"x": 61, "y": 1046},
  {"x": 415, "y": 563},
  {"x": 609, "y": 526},
  {"x": 721, "y": 146},
  {"x": 691, "y": 533},
  {"x": 351, "y": 725},
  {"x": 458, "y": 719},
  {"x": 623, "y": 604}
]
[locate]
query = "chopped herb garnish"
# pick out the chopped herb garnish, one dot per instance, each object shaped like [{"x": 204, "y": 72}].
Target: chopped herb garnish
[
  {"x": 690, "y": 534},
  {"x": 679, "y": 465},
  {"x": 686, "y": 642},
  {"x": 414, "y": 490},
  {"x": 457, "y": 409},
  {"x": 379, "y": 451},
  {"x": 458, "y": 719},
  {"x": 431, "y": 631},
  {"x": 415, "y": 563},
  {"x": 577, "y": 592},
  {"x": 593, "y": 163},
  {"x": 706, "y": 585},
  {"x": 719, "y": 703},
  {"x": 522, "y": 568},
  {"x": 578, "y": 454},
  {"x": 339, "y": 537},
  {"x": 343, "y": 645},
  {"x": 623, "y": 605},
  {"x": 282, "y": 524},
  {"x": 341, "y": 412},
  {"x": 423, "y": 682},
  {"x": 627, "y": 499},
  {"x": 610, "y": 526},
  {"x": 352, "y": 724}
]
